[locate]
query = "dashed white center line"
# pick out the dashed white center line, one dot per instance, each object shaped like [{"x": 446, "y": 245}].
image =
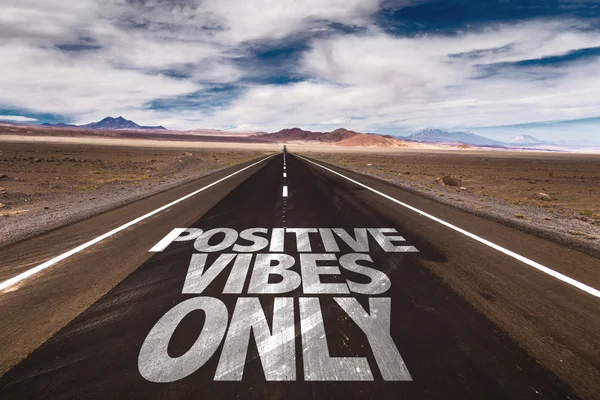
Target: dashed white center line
[{"x": 284, "y": 194}]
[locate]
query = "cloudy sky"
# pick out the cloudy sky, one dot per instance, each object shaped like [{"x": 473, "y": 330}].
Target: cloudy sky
[{"x": 497, "y": 67}]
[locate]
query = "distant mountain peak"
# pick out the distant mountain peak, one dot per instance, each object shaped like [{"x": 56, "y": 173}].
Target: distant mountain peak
[
  {"x": 441, "y": 136},
  {"x": 469, "y": 138},
  {"x": 114, "y": 123},
  {"x": 60, "y": 125},
  {"x": 340, "y": 130},
  {"x": 524, "y": 139},
  {"x": 285, "y": 135},
  {"x": 109, "y": 123}
]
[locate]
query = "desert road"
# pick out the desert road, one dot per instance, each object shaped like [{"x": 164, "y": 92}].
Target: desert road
[{"x": 286, "y": 278}]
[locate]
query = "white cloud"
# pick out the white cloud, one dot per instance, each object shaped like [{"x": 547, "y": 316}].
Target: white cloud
[
  {"x": 16, "y": 118},
  {"x": 368, "y": 81},
  {"x": 413, "y": 83},
  {"x": 45, "y": 21},
  {"x": 265, "y": 19},
  {"x": 46, "y": 80},
  {"x": 133, "y": 42}
]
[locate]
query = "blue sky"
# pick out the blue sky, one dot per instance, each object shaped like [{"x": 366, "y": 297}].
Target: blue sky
[{"x": 497, "y": 67}]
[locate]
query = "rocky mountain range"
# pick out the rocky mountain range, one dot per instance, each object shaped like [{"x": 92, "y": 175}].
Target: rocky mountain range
[
  {"x": 340, "y": 137},
  {"x": 109, "y": 123},
  {"x": 343, "y": 137},
  {"x": 286, "y": 135},
  {"x": 468, "y": 138},
  {"x": 441, "y": 136},
  {"x": 526, "y": 140}
]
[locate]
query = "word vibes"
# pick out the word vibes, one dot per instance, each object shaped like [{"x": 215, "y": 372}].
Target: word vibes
[{"x": 255, "y": 258}]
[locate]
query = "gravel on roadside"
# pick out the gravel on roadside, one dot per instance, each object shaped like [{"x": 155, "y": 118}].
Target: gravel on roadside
[{"x": 57, "y": 211}]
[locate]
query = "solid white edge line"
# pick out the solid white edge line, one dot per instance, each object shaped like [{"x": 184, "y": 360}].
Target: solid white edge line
[
  {"x": 24, "y": 275},
  {"x": 285, "y": 191},
  {"x": 167, "y": 240},
  {"x": 531, "y": 263}
]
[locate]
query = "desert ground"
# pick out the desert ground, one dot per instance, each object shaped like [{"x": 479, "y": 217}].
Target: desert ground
[
  {"x": 46, "y": 184},
  {"x": 556, "y": 195}
]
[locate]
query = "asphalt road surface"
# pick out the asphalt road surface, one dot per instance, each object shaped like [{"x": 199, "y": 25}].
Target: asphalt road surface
[{"x": 293, "y": 280}]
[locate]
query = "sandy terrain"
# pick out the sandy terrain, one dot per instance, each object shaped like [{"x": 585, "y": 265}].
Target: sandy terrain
[
  {"x": 555, "y": 195},
  {"x": 11, "y": 130},
  {"x": 44, "y": 185},
  {"x": 223, "y": 144},
  {"x": 378, "y": 146}
]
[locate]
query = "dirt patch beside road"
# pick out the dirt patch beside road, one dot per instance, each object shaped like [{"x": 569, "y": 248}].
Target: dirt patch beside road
[
  {"x": 47, "y": 185},
  {"x": 556, "y": 196}
]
